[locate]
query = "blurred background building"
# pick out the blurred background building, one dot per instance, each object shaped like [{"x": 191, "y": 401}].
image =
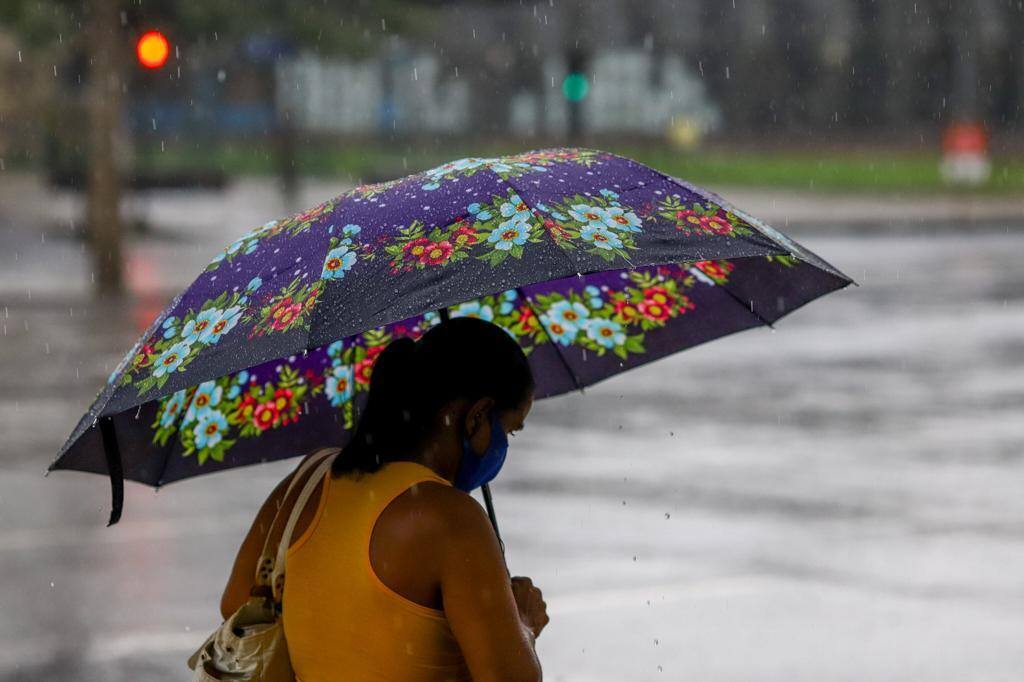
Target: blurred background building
[{"x": 749, "y": 69}]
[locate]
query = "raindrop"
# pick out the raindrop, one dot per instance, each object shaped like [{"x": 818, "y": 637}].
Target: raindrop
[{"x": 667, "y": 516}]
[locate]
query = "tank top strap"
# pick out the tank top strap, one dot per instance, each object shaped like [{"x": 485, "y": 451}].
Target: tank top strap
[{"x": 394, "y": 478}]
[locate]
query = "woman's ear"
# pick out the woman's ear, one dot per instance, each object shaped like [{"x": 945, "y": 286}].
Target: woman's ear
[{"x": 478, "y": 424}]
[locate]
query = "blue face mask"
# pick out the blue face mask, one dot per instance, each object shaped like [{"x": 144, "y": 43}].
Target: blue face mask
[{"x": 474, "y": 469}]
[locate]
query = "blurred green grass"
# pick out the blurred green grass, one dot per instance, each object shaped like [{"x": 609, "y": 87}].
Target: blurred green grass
[{"x": 867, "y": 171}]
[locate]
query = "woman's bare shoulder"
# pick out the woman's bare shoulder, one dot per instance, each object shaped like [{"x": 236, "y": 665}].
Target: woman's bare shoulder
[{"x": 434, "y": 508}]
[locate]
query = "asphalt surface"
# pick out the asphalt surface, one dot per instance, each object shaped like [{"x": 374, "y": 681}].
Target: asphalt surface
[{"x": 836, "y": 500}]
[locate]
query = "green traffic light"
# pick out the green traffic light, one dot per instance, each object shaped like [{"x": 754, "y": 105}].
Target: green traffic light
[{"x": 575, "y": 87}]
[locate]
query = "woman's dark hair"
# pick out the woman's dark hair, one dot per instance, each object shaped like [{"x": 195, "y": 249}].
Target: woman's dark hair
[{"x": 411, "y": 380}]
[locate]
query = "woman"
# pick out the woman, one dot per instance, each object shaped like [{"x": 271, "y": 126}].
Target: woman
[{"x": 394, "y": 571}]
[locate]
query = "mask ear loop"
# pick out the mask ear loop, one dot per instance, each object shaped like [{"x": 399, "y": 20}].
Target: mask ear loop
[{"x": 485, "y": 488}]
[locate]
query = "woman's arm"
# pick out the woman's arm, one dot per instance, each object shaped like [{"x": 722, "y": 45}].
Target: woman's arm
[{"x": 478, "y": 597}]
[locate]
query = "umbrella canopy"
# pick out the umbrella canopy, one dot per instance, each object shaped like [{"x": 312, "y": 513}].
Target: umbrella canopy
[{"x": 593, "y": 262}]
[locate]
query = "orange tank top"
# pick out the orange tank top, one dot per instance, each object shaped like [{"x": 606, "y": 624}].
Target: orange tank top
[{"x": 340, "y": 620}]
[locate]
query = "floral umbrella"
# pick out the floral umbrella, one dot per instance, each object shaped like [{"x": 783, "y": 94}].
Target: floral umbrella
[{"x": 593, "y": 262}]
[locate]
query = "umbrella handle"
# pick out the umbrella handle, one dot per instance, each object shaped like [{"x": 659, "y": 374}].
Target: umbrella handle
[
  {"x": 485, "y": 488},
  {"x": 489, "y": 503}
]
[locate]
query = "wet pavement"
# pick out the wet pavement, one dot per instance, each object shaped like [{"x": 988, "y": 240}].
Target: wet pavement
[{"x": 839, "y": 499}]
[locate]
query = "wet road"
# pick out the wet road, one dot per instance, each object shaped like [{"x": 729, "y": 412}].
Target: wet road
[{"x": 840, "y": 499}]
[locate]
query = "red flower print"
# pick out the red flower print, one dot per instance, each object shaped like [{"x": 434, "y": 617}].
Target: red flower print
[
  {"x": 373, "y": 351},
  {"x": 245, "y": 409},
  {"x": 265, "y": 415},
  {"x": 527, "y": 319},
  {"x": 436, "y": 253},
  {"x": 311, "y": 298},
  {"x": 716, "y": 224},
  {"x": 692, "y": 220},
  {"x": 714, "y": 270},
  {"x": 685, "y": 304},
  {"x": 626, "y": 310},
  {"x": 312, "y": 378},
  {"x": 464, "y": 236},
  {"x": 653, "y": 310},
  {"x": 415, "y": 248},
  {"x": 283, "y": 317},
  {"x": 282, "y": 398},
  {"x": 556, "y": 231},
  {"x": 658, "y": 295},
  {"x": 363, "y": 371}
]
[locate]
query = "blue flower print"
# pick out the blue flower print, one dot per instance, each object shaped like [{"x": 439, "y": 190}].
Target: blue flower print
[
  {"x": 207, "y": 395},
  {"x": 601, "y": 237},
  {"x": 339, "y": 261},
  {"x": 569, "y": 314},
  {"x": 619, "y": 219},
  {"x": 170, "y": 322},
  {"x": 588, "y": 214},
  {"x": 171, "y": 359},
  {"x": 608, "y": 194},
  {"x": 226, "y": 321},
  {"x": 254, "y": 284},
  {"x": 510, "y": 233},
  {"x": 334, "y": 349},
  {"x": 351, "y": 229},
  {"x": 430, "y": 186},
  {"x": 200, "y": 328},
  {"x": 242, "y": 377},
  {"x": 234, "y": 391},
  {"x": 430, "y": 319},
  {"x": 558, "y": 332},
  {"x": 338, "y": 385},
  {"x": 515, "y": 209},
  {"x": 605, "y": 333},
  {"x": 479, "y": 212},
  {"x": 474, "y": 309},
  {"x": 172, "y": 408},
  {"x": 595, "y": 301},
  {"x": 210, "y": 429}
]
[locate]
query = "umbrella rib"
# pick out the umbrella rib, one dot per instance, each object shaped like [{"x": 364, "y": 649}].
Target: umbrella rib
[
  {"x": 573, "y": 267},
  {"x": 748, "y": 308}
]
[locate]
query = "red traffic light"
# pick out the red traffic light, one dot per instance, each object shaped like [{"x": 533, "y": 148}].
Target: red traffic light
[{"x": 152, "y": 49}]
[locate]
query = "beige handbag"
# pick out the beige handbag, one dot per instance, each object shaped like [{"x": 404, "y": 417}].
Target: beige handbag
[{"x": 249, "y": 646}]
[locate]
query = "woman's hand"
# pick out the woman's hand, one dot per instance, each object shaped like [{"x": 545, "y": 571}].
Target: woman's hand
[{"x": 532, "y": 609}]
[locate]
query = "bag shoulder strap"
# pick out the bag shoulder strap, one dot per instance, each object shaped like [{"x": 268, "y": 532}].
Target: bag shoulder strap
[
  {"x": 265, "y": 565},
  {"x": 277, "y": 584}
]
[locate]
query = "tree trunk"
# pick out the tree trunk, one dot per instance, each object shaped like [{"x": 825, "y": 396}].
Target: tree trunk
[{"x": 103, "y": 199}]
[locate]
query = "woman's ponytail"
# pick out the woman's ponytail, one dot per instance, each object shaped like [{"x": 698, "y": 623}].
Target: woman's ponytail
[{"x": 389, "y": 423}]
